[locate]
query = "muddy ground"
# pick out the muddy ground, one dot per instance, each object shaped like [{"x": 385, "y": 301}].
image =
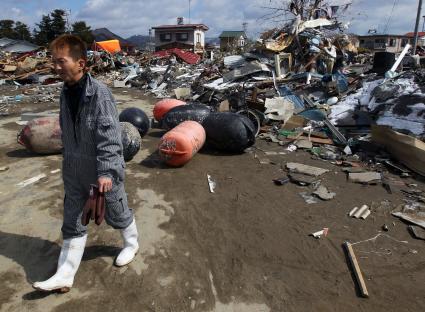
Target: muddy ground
[{"x": 244, "y": 248}]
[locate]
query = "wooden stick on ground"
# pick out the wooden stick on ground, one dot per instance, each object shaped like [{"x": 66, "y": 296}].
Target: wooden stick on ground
[{"x": 356, "y": 268}]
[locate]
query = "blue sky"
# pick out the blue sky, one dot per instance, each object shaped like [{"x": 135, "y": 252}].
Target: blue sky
[{"x": 126, "y": 17}]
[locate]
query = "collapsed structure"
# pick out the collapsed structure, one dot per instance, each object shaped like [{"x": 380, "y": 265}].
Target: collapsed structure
[{"x": 306, "y": 75}]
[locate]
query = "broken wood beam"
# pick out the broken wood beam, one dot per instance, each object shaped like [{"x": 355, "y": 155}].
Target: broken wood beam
[
  {"x": 356, "y": 268},
  {"x": 311, "y": 139}
]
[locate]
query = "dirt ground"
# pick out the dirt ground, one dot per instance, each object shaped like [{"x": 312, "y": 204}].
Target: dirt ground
[{"x": 244, "y": 248}]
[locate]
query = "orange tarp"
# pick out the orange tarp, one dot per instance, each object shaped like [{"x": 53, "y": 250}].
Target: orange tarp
[{"x": 112, "y": 46}]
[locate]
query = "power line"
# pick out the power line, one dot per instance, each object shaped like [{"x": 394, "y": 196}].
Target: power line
[{"x": 389, "y": 17}]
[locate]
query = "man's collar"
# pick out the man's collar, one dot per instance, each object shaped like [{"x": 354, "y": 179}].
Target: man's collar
[
  {"x": 89, "y": 86},
  {"x": 79, "y": 84}
]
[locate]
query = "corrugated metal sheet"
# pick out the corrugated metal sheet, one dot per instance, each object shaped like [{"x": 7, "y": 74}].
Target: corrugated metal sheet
[
  {"x": 234, "y": 61},
  {"x": 188, "y": 57}
]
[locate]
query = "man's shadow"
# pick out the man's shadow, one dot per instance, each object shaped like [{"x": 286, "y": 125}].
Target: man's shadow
[{"x": 38, "y": 257}]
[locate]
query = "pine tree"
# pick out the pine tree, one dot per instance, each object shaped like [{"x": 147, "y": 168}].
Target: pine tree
[
  {"x": 44, "y": 34},
  {"x": 22, "y": 31},
  {"x": 6, "y": 29},
  {"x": 83, "y": 31},
  {"x": 58, "y": 22}
]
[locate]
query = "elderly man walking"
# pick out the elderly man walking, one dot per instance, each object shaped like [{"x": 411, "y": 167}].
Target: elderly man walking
[{"x": 92, "y": 154}]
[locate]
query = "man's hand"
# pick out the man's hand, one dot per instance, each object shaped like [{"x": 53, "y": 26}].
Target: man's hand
[{"x": 105, "y": 184}]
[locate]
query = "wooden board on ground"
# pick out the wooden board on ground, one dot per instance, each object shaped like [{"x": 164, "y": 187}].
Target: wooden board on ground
[
  {"x": 356, "y": 269},
  {"x": 312, "y": 139}
]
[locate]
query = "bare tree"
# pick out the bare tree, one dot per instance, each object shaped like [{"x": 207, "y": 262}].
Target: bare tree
[{"x": 289, "y": 9}]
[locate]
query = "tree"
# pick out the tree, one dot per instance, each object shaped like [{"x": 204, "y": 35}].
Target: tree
[
  {"x": 22, "y": 31},
  {"x": 44, "y": 34},
  {"x": 51, "y": 26},
  {"x": 58, "y": 22},
  {"x": 54, "y": 24},
  {"x": 283, "y": 10},
  {"x": 6, "y": 29},
  {"x": 83, "y": 31}
]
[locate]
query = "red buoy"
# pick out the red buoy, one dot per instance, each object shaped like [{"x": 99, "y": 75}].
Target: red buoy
[
  {"x": 181, "y": 143},
  {"x": 163, "y": 106}
]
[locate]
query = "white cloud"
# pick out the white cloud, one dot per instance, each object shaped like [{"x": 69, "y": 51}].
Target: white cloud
[
  {"x": 129, "y": 17},
  {"x": 367, "y": 15}
]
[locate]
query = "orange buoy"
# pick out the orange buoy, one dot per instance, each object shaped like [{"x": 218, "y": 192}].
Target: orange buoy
[
  {"x": 181, "y": 143},
  {"x": 163, "y": 106},
  {"x": 42, "y": 135}
]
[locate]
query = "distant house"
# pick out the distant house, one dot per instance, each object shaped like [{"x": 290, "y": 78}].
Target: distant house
[
  {"x": 103, "y": 34},
  {"x": 17, "y": 46},
  {"x": 421, "y": 38},
  {"x": 384, "y": 43},
  {"x": 188, "y": 37},
  {"x": 230, "y": 39}
]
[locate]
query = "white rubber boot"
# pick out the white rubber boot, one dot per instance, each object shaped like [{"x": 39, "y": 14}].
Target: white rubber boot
[
  {"x": 69, "y": 261},
  {"x": 131, "y": 246}
]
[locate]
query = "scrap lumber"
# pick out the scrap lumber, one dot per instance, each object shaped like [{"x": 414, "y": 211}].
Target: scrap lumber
[
  {"x": 356, "y": 268},
  {"x": 311, "y": 139}
]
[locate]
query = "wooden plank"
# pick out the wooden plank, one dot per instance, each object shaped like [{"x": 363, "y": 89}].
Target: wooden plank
[
  {"x": 317, "y": 134},
  {"x": 312, "y": 139},
  {"x": 356, "y": 268},
  {"x": 37, "y": 71}
]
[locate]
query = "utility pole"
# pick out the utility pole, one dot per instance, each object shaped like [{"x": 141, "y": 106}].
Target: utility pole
[{"x": 418, "y": 17}]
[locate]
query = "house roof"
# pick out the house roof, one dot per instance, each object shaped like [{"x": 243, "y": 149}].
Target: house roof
[
  {"x": 412, "y": 34},
  {"x": 232, "y": 34},
  {"x": 16, "y": 46},
  {"x": 188, "y": 57},
  {"x": 5, "y": 41},
  {"x": 194, "y": 26}
]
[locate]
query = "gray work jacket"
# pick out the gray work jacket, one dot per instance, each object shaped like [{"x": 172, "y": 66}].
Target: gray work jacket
[{"x": 95, "y": 138}]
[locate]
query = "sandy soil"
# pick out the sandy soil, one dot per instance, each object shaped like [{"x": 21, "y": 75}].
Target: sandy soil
[{"x": 244, "y": 248}]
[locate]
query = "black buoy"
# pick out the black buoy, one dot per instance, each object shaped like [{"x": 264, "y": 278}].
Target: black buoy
[
  {"x": 137, "y": 118},
  {"x": 131, "y": 140}
]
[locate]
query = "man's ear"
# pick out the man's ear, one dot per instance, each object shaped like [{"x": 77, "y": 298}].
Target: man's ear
[{"x": 82, "y": 64}]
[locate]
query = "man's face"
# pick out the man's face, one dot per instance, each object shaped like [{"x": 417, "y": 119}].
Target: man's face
[{"x": 68, "y": 69}]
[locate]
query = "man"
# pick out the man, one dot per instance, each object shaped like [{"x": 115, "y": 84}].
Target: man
[{"x": 92, "y": 154}]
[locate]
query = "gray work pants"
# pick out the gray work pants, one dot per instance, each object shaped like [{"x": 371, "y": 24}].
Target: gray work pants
[{"x": 78, "y": 173}]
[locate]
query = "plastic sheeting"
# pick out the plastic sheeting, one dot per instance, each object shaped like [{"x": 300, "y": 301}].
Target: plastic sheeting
[{"x": 112, "y": 46}]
